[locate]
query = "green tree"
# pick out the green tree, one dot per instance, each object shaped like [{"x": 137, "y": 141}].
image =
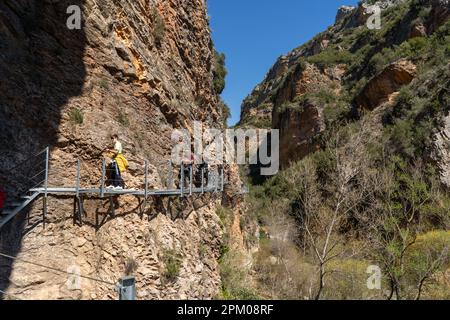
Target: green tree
[{"x": 219, "y": 72}]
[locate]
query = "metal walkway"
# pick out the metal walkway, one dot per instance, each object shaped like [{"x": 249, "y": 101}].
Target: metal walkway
[
  {"x": 132, "y": 192},
  {"x": 12, "y": 209},
  {"x": 37, "y": 185}
]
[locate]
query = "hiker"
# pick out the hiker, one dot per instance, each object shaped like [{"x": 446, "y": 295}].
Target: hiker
[
  {"x": 118, "y": 164},
  {"x": 188, "y": 163},
  {"x": 199, "y": 169}
]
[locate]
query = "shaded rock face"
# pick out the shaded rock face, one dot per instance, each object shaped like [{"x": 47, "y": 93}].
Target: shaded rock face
[
  {"x": 440, "y": 12},
  {"x": 298, "y": 128},
  {"x": 389, "y": 81},
  {"x": 301, "y": 121},
  {"x": 262, "y": 94},
  {"x": 136, "y": 68}
]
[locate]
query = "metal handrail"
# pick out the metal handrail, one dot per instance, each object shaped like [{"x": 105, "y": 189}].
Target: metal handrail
[
  {"x": 22, "y": 176},
  {"x": 37, "y": 185},
  {"x": 36, "y": 175},
  {"x": 184, "y": 188},
  {"x": 25, "y": 160}
]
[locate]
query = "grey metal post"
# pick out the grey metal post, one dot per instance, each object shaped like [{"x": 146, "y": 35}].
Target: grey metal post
[
  {"x": 191, "y": 169},
  {"x": 221, "y": 180},
  {"x": 146, "y": 179},
  {"x": 216, "y": 177},
  {"x": 127, "y": 288},
  {"x": 182, "y": 179},
  {"x": 78, "y": 179},
  {"x": 47, "y": 158},
  {"x": 203, "y": 180},
  {"x": 102, "y": 184}
]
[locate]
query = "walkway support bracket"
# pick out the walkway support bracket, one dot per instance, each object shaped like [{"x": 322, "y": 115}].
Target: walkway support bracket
[
  {"x": 203, "y": 180},
  {"x": 78, "y": 210},
  {"x": 112, "y": 207}
]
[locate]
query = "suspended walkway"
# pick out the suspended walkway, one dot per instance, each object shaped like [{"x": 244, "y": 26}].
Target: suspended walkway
[{"x": 33, "y": 173}]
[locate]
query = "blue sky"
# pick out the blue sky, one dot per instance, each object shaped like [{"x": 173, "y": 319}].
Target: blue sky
[{"x": 254, "y": 33}]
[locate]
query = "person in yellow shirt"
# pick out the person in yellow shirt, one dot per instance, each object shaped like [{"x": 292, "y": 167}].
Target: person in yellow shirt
[{"x": 118, "y": 165}]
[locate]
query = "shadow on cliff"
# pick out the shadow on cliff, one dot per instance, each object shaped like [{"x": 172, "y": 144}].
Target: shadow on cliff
[{"x": 41, "y": 68}]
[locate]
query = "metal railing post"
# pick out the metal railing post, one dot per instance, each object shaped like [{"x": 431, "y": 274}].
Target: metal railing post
[
  {"x": 216, "y": 177},
  {"x": 44, "y": 204},
  {"x": 102, "y": 184},
  {"x": 146, "y": 179},
  {"x": 203, "y": 180},
  {"x": 221, "y": 179},
  {"x": 191, "y": 173},
  {"x": 127, "y": 288},
  {"x": 78, "y": 178},
  {"x": 182, "y": 180},
  {"x": 47, "y": 156}
]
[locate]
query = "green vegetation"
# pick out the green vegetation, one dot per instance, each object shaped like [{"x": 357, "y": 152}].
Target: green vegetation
[
  {"x": 123, "y": 119},
  {"x": 235, "y": 278},
  {"x": 256, "y": 122},
  {"x": 76, "y": 116},
  {"x": 131, "y": 266},
  {"x": 225, "y": 112},
  {"x": 331, "y": 57},
  {"x": 103, "y": 83},
  {"x": 219, "y": 72},
  {"x": 412, "y": 49},
  {"x": 411, "y": 123},
  {"x": 159, "y": 26},
  {"x": 173, "y": 261},
  {"x": 379, "y": 204},
  {"x": 233, "y": 270}
]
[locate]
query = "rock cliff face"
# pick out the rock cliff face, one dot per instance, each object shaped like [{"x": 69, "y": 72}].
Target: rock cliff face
[
  {"x": 342, "y": 70},
  {"x": 441, "y": 151},
  {"x": 299, "y": 118},
  {"x": 136, "y": 68}
]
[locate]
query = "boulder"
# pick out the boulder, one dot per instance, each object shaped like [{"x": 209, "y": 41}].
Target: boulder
[
  {"x": 418, "y": 30},
  {"x": 380, "y": 88}
]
